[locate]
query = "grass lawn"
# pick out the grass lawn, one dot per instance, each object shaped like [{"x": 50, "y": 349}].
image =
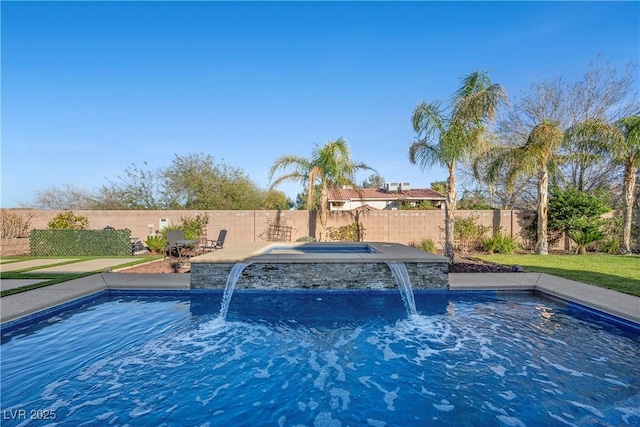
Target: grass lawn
[
  {"x": 49, "y": 278},
  {"x": 617, "y": 272}
]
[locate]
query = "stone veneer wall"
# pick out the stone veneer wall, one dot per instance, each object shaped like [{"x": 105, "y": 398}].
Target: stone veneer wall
[{"x": 319, "y": 276}]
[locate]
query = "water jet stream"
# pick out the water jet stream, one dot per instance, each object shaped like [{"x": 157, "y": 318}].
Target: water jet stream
[
  {"x": 400, "y": 273},
  {"x": 234, "y": 275}
]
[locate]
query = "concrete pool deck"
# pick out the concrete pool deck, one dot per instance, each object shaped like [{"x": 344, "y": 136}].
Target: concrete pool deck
[{"x": 605, "y": 300}]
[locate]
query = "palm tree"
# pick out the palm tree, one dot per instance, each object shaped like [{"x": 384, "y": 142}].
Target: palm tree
[
  {"x": 626, "y": 151},
  {"x": 539, "y": 156},
  {"x": 330, "y": 166},
  {"x": 447, "y": 136}
]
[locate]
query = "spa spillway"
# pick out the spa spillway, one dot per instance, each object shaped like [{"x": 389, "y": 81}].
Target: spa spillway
[{"x": 318, "y": 266}]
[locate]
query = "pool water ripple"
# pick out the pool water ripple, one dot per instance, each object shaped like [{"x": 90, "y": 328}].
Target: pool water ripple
[{"x": 460, "y": 361}]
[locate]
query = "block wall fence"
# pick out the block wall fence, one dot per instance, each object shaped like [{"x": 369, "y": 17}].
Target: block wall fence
[{"x": 400, "y": 226}]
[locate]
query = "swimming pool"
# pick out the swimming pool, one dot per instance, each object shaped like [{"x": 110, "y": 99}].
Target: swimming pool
[{"x": 322, "y": 358}]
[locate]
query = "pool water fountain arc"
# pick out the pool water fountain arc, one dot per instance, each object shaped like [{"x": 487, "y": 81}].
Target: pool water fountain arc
[
  {"x": 401, "y": 275},
  {"x": 234, "y": 275}
]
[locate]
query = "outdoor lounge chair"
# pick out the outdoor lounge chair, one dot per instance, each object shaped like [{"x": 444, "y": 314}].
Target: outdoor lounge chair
[
  {"x": 172, "y": 247},
  {"x": 212, "y": 245}
]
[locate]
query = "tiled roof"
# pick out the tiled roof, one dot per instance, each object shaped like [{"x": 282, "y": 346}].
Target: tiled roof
[{"x": 343, "y": 194}]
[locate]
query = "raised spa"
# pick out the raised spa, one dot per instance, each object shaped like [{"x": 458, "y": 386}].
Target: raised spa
[{"x": 319, "y": 266}]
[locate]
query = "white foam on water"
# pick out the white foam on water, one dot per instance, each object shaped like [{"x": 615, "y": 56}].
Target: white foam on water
[
  {"x": 589, "y": 408},
  {"x": 565, "y": 369},
  {"x": 281, "y": 421},
  {"x": 499, "y": 370},
  {"x": 313, "y": 405},
  {"x": 342, "y": 341},
  {"x": 93, "y": 402},
  {"x": 340, "y": 395},
  {"x": 562, "y": 420},
  {"x": 510, "y": 421},
  {"x": 171, "y": 409},
  {"x": 140, "y": 410},
  {"x": 427, "y": 392},
  {"x": 324, "y": 419},
  {"x": 215, "y": 393},
  {"x": 48, "y": 392},
  {"x": 376, "y": 423},
  {"x": 507, "y": 395},
  {"x": 444, "y": 406},
  {"x": 615, "y": 382},
  {"x": 629, "y": 412},
  {"x": 105, "y": 415},
  {"x": 495, "y": 408}
]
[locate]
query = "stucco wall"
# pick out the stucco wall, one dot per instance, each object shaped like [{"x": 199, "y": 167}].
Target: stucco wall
[{"x": 402, "y": 226}]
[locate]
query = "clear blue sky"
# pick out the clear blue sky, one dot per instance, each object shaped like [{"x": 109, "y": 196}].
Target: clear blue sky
[{"x": 90, "y": 87}]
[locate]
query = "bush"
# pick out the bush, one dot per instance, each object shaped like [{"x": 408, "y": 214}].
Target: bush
[
  {"x": 156, "y": 243},
  {"x": 467, "y": 234},
  {"x": 500, "y": 243},
  {"x": 306, "y": 239},
  {"x": 14, "y": 225},
  {"x": 427, "y": 245},
  {"x": 67, "y": 220},
  {"x": 353, "y": 232},
  {"x": 193, "y": 226}
]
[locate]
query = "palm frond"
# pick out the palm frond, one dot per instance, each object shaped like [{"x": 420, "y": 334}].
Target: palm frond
[{"x": 300, "y": 164}]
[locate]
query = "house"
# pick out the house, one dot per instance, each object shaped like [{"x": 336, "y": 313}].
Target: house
[{"x": 391, "y": 197}]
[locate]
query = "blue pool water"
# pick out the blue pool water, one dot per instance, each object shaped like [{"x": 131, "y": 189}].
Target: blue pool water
[
  {"x": 306, "y": 358},
  {"x": 323, "y": 249}
]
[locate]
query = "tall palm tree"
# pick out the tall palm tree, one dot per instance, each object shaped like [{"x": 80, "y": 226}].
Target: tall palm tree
[
  {"x": 448, "y": 136},
  {"x": 330, "y": 166},
  {"x": 539, "y": 156},
  {"x": 627, "y": 152}
]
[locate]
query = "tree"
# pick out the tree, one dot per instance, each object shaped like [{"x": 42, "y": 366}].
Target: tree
[
  {"x": 577, "y": 214},
  {"x": 329, "y": 166},
  {"x": 195, "y": 181},
  {"x": 373, "y": 181},
  {"x": 68, "y": 220},
  {"x": 277, "y": 200},
  {"x": 603, "y": 94},
  {"x": 66, "y": 196},
  {"x": 473, "y": 200},
  {"x": 539, "y": 156},
  {"x": 439, "y": 186},
  {"x": 626, "y": 151},
  {"x": 135, "y": 189},
  {"x": 448, "y": 136},
  {"x": 302, "y": 199}
]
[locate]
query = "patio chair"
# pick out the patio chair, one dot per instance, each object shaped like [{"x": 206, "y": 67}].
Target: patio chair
[
  {"x": 212, "y": 245},
  {"x": 172, "y": 246}
]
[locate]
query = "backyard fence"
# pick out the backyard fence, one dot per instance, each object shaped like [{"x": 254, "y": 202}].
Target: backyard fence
[{"x": 80, "y": 242}]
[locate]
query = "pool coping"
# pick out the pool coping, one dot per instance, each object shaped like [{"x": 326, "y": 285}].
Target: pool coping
[{"x": 611, "y": 302}]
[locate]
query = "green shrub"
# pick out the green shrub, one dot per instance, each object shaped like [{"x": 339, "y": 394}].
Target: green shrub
[
  {"x": 609, "y": 245},
  {"x": 156, "y": 243},
  {"x": 468, "y": 234},
  {"x": 500, "y": 243},
  {"x": 427, "y": 245},
  {"x": 193, "y": 226},
  {"x": 67, "y": 220},
  {"x": 306, "y": 239}
]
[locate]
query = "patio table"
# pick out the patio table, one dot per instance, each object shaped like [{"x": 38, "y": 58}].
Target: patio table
[{"x": 184, "y": 245}]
